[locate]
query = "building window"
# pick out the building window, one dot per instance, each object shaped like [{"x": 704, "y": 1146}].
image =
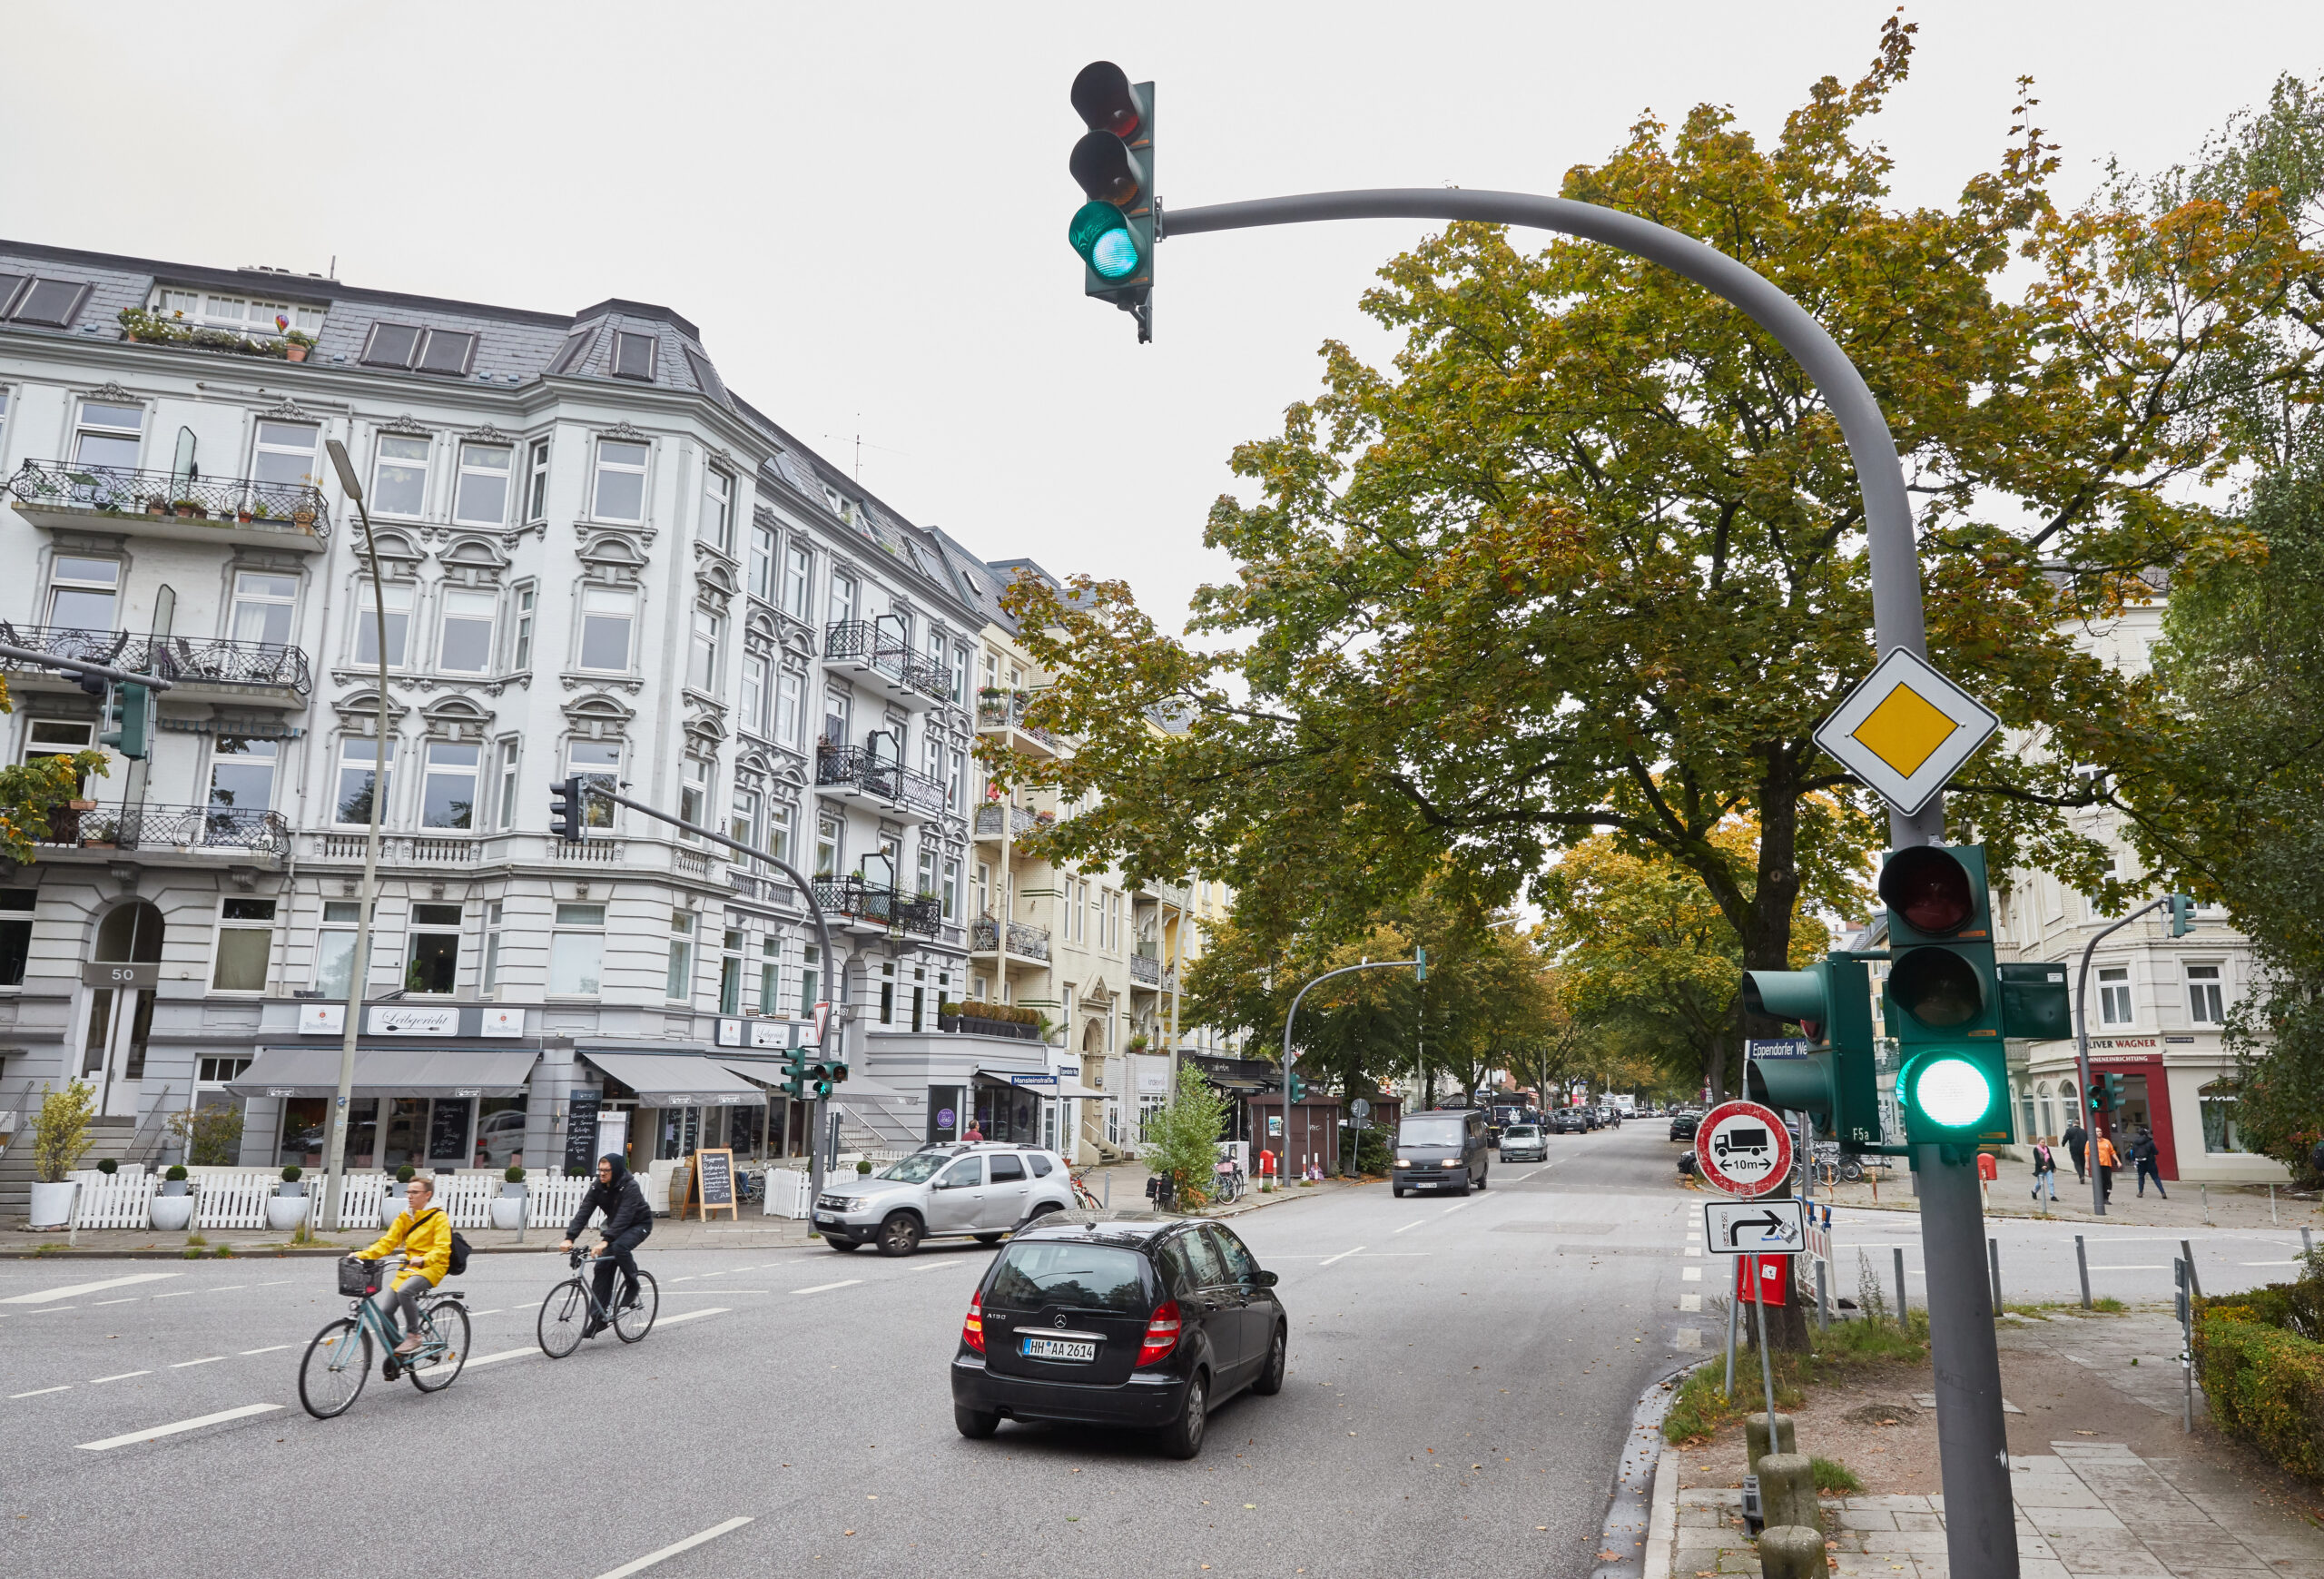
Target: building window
[
  {"x": 508, "y": 785},
  {"x": 694, "y": 794},
  {"x": 264, "y": 604},
  {"x": 717, "y": 509},
  {"x": 107, "y": 435},
  {"x": 15, "y": 934},
  {"x": 608, "y": 614},
  {"x": 2115, "y": 995},
  {"x": 520, "y": 642},
  {"x": 598, "y": 760},
  {"x": 59, "y": 737},
  {"x": 960, "y": 676},
  {"x": 481, "y": 497},
  {"x": 956, "y": 787},
  {"x": 83, "y": 593},
  {"x": 762, "y": 563},
  {"x": 839, "y": 716},
  {"x": 621, "y": 481},
  {"x": 951, "y": 889},
  {"x": 576, "y": 951},
  {"x": 927, "y": 889},
  {"x": 842, "y": 598},
  {"x": 888, "y": 992},
  {"x": 432, "y": 960},
  {"x": 826, "y": 846},
  {"x": 2221, "y": 1130},
  {"x": 702, "y": 665},
  {"x": 246, "y": 944},
  {"x": 730, "y": 971},
  {"x": 282, "y": 457},
  {"x": 680, "y": 984},
  {"x": 633, "y": 357},
  {"x": 399, "y": 477},
  {"x": 391, "y": 345},
  {"x": 335, "y": 947},
  {"x": 796, "y": 569},
  {"x": 779, "y": 832},
  {"x": 743, "y": 818},
  {"x": 790, "y": 708},
  {"x": 569, "y": 355},
  {"x": 448, "y": 351},
  {"x": 464, "y": 646},
  {"x": 53, "y": 302},
  {"x": 811, "y": 981},
  {"x": 448, "y": 795},
  {"x": 358, "y": 756},
  {"x": 755, "y": 695},
  {"x": 771, "y": 975},
  {"x": 492, "y": 924},
  {"x": 242, "y": 773},
  {"x": 2205, "y": 1004},
  {"x": 536, "y": 480},
  {"x": 397, "y": 595}
]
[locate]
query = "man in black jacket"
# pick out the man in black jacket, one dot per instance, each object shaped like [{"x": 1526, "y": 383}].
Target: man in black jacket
[
  {"x": 628, "y": 1219},
  {"x": 2077, "y": 1140}
]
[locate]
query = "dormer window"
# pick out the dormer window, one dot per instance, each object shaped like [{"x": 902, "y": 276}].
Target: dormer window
[
  {"x": 411, "y": 346},
  {"x": 53, "y": 303},
  {"x": 633, "y": 357},
  {"x": 248, "y": 315},
  {"x": 392, "y": 345}
]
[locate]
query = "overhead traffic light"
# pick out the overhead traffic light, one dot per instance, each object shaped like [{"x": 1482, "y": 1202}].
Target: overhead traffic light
[
  {"x": 1831, "y": 1001},
  {"x": 794, "y": 1070},
  {"x": 1113, "y": 230},
  {"x": 1943, "y": 995},
  {"x": 821, "y": 1077},
  {"x": 131, "y": 708},
  {"x": 1294, "y": 1088},
  {"x": 2181, "y": 912},
  {"x": 2107, "y": 1094},
  {"x": 1420, "y": 964},
  {"x": 565, "y": 818}
]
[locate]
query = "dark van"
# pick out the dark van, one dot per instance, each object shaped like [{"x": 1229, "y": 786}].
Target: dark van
[{"x": 1442, "y": 1148}]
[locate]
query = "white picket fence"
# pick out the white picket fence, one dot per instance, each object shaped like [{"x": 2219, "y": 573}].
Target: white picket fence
[
  {"x": 236, "y": 1198},
  {"x": 554, "y": 1200},
  {"x": 114, "y": 1201},
  {"x": 788, "y": 1192}
]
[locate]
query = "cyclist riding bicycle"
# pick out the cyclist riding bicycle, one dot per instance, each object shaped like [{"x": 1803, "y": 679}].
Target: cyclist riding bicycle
[
  {"x": 628, "y": 1219},
  {"x": 424, "y": 1234}
]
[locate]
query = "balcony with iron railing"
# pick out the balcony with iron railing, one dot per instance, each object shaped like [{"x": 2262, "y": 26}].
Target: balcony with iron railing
[
  {"x": 245, "y": 671},
  {"x": 1005, "y": 710},
  {"x": 1145, "y": 970},
  {"x": 863, "y": 906},
  {"x": 993, "y": 819},
  {"x": 142, "y": 825},
  {"x": 858, "y": 773},
  {"x": 64, "y": 495},
  {"x": 876, "y": 651},
  {"x": 1026, "y": 941}
]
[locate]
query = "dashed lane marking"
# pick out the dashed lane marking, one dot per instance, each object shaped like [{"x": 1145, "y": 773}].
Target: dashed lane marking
[
  {"x": 37, "y": 1392},
  {"x": 153, "y": 1432},
  {"x": 493, "y": 1359},
  {"x": 1416, "y": 1223},
  {"x": 825, "y": 1288},
  {"x": 691, "y": 1315},
  {"x": 75, "y": 1290},
  {"x": 269, "y": 1349},
  {"x": 1342, "y": 1255},
  {"x": 212, "y": 1360},
  {"x": 118, "y": 1376},
  {"x": 672, "y": 1550}
]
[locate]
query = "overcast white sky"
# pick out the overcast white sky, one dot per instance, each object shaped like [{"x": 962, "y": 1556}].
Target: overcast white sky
[{"x": 864, "y": 207}]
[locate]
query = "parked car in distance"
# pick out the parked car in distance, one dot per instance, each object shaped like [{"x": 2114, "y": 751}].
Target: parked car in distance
[
  {"x": 1129, "y": 1318},
  {"x": 1684, "y": 1125},
  {"x": 981, "y": 1189},
  {"x": 1564, "y": 1121},
  {"x": 1440, "y": 1149},
  {"x": 1525, "y": 1143}
]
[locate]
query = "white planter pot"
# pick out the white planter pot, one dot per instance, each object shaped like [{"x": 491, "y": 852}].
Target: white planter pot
[
  {"x": 390, "y": 1208},
  {"x": 508, "y": 1211},
  {"x": 173, "y": 1213},
  {"x": 52, "y": 1205},
  {"x": 285, "y": 1212}
]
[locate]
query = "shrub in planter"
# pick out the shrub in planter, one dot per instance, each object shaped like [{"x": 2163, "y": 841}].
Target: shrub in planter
[
  {"x": 108, "y": 1167},
  {"x": 862, "y": 1165},
  {"x": 172, "y": 1210},
  {"x": 405, "y": 1174},
  {"x": 509, "y": 1208},
  {"x": 514, "y": 1175},
  {"x": 2265, "y": 1384},
  {"x": 287, "y": 1208},
  {"x": 292, "y": 1173},
  {"x": 60, "y": 1131}
]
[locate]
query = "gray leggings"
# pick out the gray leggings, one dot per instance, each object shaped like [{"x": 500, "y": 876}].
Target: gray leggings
[{"x": 402, "y": 1299}]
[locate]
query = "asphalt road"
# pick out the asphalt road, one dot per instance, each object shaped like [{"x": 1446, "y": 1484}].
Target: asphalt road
[{"x": 1463, "y": 1373}]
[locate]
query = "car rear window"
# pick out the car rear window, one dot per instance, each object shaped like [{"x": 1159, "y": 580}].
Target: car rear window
[
  {"x": 1041, "y": 1164},
  {"x": 1063, "y": 1272}
]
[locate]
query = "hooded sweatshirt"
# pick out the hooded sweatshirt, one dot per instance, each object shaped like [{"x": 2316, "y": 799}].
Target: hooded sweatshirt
[{"x": 622, "y": 1201}]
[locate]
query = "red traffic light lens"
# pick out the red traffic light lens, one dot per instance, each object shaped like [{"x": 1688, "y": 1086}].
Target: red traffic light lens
[
  {"x": 1929, "y": 888},
  {"x": 1102, "y": 97},
  {"x": 1936, "y": 987}
]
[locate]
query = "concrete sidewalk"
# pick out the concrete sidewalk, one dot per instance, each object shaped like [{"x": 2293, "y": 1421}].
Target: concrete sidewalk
[{"x": 2226, "y": 1205}]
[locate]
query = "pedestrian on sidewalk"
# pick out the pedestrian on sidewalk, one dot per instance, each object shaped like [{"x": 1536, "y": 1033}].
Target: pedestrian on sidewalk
[
  {"x": 2076, "y": 1138},
  {"x": 2149, "y": 1158},
  {"x": 2046, "y": 1169},
  {"x": 2107, "y": 1162},
  {"x": 976, "y": 1132},
  {"x": 1988, "y": 1169}
]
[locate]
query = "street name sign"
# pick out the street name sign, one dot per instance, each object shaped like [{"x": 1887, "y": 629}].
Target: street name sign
[
  {"x": 1743, "y": 1148},
  {"x": 1905, "y": 729},
  {"x": 1779, "y": 1047},
  {"x": 1754, "y": 1228}
]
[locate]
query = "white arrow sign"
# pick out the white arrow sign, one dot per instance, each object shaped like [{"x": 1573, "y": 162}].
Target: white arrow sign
[{"x": 1754, "y": 1228}]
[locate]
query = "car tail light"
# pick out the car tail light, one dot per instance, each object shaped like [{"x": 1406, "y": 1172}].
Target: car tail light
[
  {"x": 972, "y": 1327},
  {"x": 1161, "y": 1333}
]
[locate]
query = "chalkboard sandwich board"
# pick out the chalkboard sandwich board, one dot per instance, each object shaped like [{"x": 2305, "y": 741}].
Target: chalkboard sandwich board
[{"x": 713, "y": 1188}]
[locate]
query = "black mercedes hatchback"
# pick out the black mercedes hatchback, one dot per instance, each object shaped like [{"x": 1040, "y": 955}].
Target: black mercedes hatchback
[{"x": 1129, "y": 1318}]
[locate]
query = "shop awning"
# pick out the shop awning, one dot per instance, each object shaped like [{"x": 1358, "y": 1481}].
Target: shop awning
[
  {"x": 856, "y": 1085},
  {"x": 387, "y": 1071},
  {"x": 666, "y": 1080},
  {"x": 1067, "y": 1086},
  {"x": 1050, "y": 1082}
]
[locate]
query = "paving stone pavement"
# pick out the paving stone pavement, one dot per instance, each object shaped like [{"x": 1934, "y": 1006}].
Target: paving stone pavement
[{"x": 2085, "y": 1509}]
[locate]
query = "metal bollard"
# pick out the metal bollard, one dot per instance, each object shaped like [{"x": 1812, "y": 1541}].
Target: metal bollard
[
  {"x": 1734, "y": 1318},
  {"x": 2082, "y": 1265},
  {"x": 1822, "y": 1299},
  {"x": 2307, "y": 1242},
  {"x": 1992, "y": 1261},
  {"x": 1904, "y": 1301}
]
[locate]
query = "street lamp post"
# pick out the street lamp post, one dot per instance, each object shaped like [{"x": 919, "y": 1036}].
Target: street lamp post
[{"x": 359, "y": 967}]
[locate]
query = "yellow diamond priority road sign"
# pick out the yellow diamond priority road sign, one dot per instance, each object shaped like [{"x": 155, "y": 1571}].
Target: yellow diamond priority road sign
[{"x": 1905, "y": 729}]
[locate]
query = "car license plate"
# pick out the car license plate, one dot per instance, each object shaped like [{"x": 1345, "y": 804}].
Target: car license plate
[
  {"x": 1057, "y": 1348},
  {"x": 826, "y": 1222}
]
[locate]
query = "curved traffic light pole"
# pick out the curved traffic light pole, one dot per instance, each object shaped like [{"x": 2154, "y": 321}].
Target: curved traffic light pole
[
  {"x": 2082, "y": 1045},
  {"x": 1281, "y": 1174},
  {"x": 1973, "y": 1440}
]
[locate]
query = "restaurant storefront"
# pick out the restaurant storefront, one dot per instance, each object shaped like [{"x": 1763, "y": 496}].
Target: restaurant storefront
[{"x": 434, "y": 1107}]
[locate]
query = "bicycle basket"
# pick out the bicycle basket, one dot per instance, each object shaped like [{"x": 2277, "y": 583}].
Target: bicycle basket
[{"x": 358, "y": 1278}]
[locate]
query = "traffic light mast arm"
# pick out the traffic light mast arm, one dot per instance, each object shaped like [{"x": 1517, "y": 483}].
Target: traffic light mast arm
[
  {"x": 1419, "y": 963},
  {"x": 2082, "y": 1037},
  {"x": 83, "y": 666},
  {"x": 1887, "y": 512}
]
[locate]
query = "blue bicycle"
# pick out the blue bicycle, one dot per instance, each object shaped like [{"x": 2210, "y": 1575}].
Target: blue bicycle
[{"x": 339, "y": 1361}]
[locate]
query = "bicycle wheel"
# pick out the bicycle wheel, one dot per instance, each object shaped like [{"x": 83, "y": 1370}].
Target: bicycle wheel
[
  {"x": 562, "y": 1315},
  {"x": 447, "y": 1324},
  {"x": 635, "y": 1319},
  {"x": 336, "y": 1365}
]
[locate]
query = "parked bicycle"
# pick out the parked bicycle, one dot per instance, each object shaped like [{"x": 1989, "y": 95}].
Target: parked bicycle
[
  {"x": 339, "y": 1360},
  {"x": 573, "y": 1304},
  {"x": 1231, "y": 1183},
  {"x": 1083, "y": 1196}
]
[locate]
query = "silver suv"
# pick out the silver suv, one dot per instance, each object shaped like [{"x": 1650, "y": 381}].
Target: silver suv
[{"x": 981, "y": 1190}]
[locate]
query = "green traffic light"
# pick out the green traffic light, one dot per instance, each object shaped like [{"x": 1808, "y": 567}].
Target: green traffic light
[
  {"x": 1951, "y": 1091},
  {"x": 1102, "y": 235}
]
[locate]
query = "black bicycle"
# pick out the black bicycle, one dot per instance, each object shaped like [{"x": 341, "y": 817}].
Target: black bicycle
[{"x": 572, "y": 1304}]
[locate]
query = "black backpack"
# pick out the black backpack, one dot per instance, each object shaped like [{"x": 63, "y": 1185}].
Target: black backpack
[{"x": 460, "y": 1262}]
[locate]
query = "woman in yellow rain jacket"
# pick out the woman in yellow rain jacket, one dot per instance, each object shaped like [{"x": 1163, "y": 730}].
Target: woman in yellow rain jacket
[{"x": 424, "y": 1235}]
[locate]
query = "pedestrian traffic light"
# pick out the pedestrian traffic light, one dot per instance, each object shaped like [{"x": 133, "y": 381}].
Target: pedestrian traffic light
[
  {"x": 821, "y": 1079},
  {"x": 1113, "y": 230},
  {"x": 1420, "y": 964},
  {"x": 565, "y": 819},
  {"x": 1294, "y": 1087},
  {"x": 1831, "y": 1001},
  {"x": 794, "y": 1071},
  {"x": 2181, "y": 911},
  {"x": 1943, "y": 995},
  {"x": 131, "y": 708},
  {"x": 2107, "y": 1094}
]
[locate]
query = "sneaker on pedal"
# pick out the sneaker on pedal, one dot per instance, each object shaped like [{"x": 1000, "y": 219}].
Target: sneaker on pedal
[{"x": 591, "y": 1328}]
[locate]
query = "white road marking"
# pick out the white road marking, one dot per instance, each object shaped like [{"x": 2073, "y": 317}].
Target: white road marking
[
  {"x": 37, "y": 1392},
  {"x": 1690, "y": 1274},
  {"x": 1456, "y": 1206},
  {"x": 2270, "y": 1263},
  {"x": 688, "y": 1545},
  {"x": 276, "y": 1284},
  {"x": 118, "y": 1376},
  {"x": 1690, "y": 1302},
  {"x": 1694, "y": 1250},
  {"x": 223, "y": 1288},
  {"x": 2158, "y": 1266},
  {"x": 494, "y": 1311},
  {"x": 827, "y": 1287},
  {"x": 177, "y": 1294},
  {"x": 212, "y": 1360},
  {"x": 1342, "y": 1255},
  {"x": 688, "y": 1278},
  {"x": 491, "y": 1359},
  {"x": 1411, "y": 1225},
  {"x": 692, "y": 1316},
  {"x": 171, "y": 1429},
  {"x": 269, "y": 1349},
  {"x": 133, "y": 1299},
  {"x": 75, "y": 1290}
]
